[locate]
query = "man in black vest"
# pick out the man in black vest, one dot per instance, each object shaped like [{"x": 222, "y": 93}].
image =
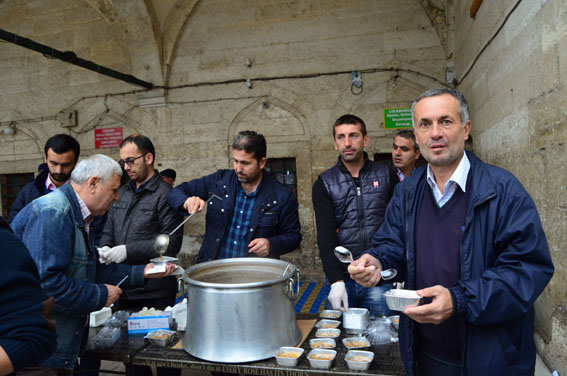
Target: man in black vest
[
  {"x": 350, "y": 200},
  {"x": 467, "y": 236}
]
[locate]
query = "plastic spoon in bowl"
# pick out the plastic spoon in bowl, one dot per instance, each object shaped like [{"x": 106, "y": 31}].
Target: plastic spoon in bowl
[{"x": 344, "y": 255}]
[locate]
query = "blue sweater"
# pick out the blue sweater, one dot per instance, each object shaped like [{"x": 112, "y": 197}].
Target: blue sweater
[{"x": 24, "y": 334}]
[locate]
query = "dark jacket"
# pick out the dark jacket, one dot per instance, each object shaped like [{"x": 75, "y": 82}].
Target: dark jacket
[
  {"x": 505, "y": 265},
  {"x": 53, "y": 230},
  {"x": 24, "y": 332},
  {"x": 274, "y": 216},
  {"x": 347, "y": 215},
  {"x": 29, "y": 192},
  {"x": 135, "y": 220}
]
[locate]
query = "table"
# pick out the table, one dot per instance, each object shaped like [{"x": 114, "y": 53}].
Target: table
[{"x": 137, "y": 351}]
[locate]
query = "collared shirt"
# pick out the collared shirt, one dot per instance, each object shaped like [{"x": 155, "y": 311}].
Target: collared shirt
[
  {"x": 235, "y": 244},
  {"x": 85, "y": 212},
  {"x": 133, "y": 185},
  {"x": 49, "y": 186},
  {"x": 400, "y": 173},
  {"x": 459, "y": 178}
]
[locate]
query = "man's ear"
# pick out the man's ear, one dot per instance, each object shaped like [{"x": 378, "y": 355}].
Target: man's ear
[
  {"x": 149, "y": 159},
  {"x": 92, "y": 182}
]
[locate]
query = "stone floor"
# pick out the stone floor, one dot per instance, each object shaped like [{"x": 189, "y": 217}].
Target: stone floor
[{"x": 541, "y": 369}]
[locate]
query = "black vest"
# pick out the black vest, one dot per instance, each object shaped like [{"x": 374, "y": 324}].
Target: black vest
[{"x": 359, "y": 212}]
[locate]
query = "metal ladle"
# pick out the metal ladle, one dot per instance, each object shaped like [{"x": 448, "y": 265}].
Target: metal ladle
[
  {"x": 344, "y": 255},
  {"x": 162, "y": 240}
]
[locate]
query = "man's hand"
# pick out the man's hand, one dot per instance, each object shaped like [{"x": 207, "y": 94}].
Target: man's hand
[
  {"x": 101, "y": 252},
  {"x": 115, "y": 254},
  {"x": 194, "y": 204},
  {"x": 439, "y": 310},
  {"x": 260, "y": 246},
  {"x": 48, "y": 304},
  {"x": 338, "y": 296},
  {"x": 170, "y": 268},
  {"x": 365, "y": 271},
  {"x": 113, "y": 294}
]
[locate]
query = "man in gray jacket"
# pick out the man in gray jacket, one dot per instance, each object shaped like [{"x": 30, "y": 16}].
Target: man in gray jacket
[{"x": 136, "y": 219}]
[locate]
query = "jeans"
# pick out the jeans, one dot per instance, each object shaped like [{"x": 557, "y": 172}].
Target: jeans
[{"x": 371, "y": 298}]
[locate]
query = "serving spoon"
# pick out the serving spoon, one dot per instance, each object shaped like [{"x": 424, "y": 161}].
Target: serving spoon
[
  {"x": 162, "y": 240},
  {"x": 344, "y": 255}
]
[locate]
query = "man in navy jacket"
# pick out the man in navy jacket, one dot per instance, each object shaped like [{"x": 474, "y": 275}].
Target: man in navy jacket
[
  {"x": 248, "y": 213},
  {"x": 467, "y": 236},
  {"x": 61, "y": 155}
]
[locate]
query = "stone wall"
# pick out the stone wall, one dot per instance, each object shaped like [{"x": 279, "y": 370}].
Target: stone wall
[
  {"x": 301, "y": 55},
  {"x": 512, "y": 66},
  {"x": 510, "y": 62}
]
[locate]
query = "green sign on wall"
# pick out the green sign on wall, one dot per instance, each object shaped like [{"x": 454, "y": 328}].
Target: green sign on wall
[{"x": 395, "y": 118}]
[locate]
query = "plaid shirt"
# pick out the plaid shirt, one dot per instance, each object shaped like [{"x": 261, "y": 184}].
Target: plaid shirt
[
  {"x": 85, "y": 213},
  {"x": 235, "y": 244}
]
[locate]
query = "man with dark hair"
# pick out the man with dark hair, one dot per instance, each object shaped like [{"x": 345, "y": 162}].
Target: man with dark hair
[
  {"x": 136, "y": 219},
  {"x": 405, "y": 153},
  {"x": 168, "y": 175},
  {"x": 61, "y": 155},
  {"x": 467, "y": 236},
  {"x": 350, "y": 200},
  {"x": 249, "y": 213},
  {"x": 132, "y": 226}
]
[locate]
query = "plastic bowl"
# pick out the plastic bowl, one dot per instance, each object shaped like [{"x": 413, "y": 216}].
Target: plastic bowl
[
  {"x": 357, "y": 360},
  {"x": 327, "y": 333},
  {"x": 356, "y": 342},
  {"x": 322, "y": 343},
  {"x": 330, "y": 314},
  {"x": 328, "y": 324},
  {"x": 289, "y": 356},
  {"x": 398, "y": 299},
  {"x": 321, "y": 363}
]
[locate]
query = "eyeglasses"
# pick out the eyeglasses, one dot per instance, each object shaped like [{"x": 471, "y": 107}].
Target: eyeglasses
[{"x": 129, "y": 161}]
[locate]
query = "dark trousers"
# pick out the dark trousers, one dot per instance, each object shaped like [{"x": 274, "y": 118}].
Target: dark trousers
[{"x": 428, "y": 366}]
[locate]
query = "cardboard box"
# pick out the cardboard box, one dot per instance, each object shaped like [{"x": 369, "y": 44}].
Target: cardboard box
[{"x": 148, "y": 324}]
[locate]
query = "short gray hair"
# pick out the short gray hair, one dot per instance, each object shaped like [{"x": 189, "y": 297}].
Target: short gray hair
[
  {"x": 98, "y": 165},
  {"x": 463, "y": 104}
]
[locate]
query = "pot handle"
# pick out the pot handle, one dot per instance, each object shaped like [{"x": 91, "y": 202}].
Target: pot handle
[{"x": 291, "y": 293}]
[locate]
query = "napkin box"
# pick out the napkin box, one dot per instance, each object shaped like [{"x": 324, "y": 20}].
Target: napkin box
[{"x": 148, "y": 324}]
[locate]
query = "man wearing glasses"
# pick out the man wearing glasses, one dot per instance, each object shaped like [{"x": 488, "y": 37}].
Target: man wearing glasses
[{"x": 136, "y": 219}]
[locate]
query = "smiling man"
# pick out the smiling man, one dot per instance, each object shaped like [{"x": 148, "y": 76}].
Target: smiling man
[
  {"x": 249, "y": 213},
  {"x": 350, "y": 201},
  {"x": 467, "y": 236},
  {"x": 61, "y": 155}
]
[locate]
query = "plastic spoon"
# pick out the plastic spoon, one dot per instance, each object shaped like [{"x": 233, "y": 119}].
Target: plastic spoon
[{"x": 344, "y": 255}]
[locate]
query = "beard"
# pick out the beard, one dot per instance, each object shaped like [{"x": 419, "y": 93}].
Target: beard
[{"x": 59, "y": 177}]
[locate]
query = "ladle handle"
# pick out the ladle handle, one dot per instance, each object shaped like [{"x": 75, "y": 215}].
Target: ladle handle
[{"x": 190, "y": 215}]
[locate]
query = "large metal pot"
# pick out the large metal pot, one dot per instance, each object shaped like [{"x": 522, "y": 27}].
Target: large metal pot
[{"x": 240, "y": 310}]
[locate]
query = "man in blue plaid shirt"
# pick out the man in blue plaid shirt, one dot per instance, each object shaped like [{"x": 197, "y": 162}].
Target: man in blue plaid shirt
[{"x": 248, "y": 213}]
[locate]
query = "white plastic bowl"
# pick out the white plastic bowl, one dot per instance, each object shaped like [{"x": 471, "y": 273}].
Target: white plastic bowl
[{"x": 398, "y": 299}]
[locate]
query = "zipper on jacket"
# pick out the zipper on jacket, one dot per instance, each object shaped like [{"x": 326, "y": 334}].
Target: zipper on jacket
[{"x": 361, "y": 217}]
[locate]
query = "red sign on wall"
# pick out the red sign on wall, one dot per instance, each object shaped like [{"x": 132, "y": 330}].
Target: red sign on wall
[{"x": 108, "y": 138}]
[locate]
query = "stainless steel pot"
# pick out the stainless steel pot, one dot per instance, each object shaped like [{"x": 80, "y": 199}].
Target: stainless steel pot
[{"x": 240, "y": 310}]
